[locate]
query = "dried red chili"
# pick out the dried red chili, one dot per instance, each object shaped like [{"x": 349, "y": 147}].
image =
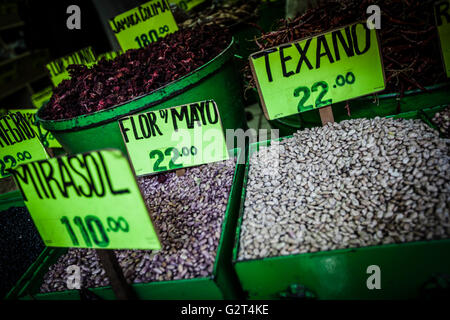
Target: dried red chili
[{"x": 134, "y": 73}]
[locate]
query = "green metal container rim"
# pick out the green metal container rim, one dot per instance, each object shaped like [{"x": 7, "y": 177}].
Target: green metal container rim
[
  {"x": 312, "y": 255},
  {"x": 143, "y": 102},
  {"x": 29, "y": 275},
  {"x": 379, "y": 97},
  {"x": 255, "y": 146},
  {"x": 252, "y": 147}
]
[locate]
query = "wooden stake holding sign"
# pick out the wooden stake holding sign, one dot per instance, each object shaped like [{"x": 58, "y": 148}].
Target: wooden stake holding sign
[
  {"x": 84, "y": 201},
  {"x": 326, "y": 115},
  {"x": 316, "y": 72},
  {"x": 174, "y": 138},
  {"x": 119, "y": 285}
]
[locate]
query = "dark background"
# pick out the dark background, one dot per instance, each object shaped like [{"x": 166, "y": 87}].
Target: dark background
[
  {"x": 45, "y": 23},
  {"x": 34, "y": 33}
]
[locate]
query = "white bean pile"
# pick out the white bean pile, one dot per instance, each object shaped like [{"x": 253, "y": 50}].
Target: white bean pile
[{"x": 351, "y": 184}]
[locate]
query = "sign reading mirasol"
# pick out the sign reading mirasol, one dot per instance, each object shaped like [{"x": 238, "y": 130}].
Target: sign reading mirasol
[{"x": 88, "y": 200}]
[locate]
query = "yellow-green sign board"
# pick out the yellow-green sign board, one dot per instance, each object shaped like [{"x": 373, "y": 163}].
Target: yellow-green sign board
[
  {"x": 442, "y": 14},
  {"x": 58, "y": 68},
  {"x": 139, "y": 27},
  {"x": 47, "y": 139},
  {"x": 88, "y": 200},
  {"x": 174, "y": 138},
  {"x": 315, "y": 72},
  {"x": 187, "y": 5},
  {"x": 19, "y": 143},
  {"x": 39, "y": 98}
]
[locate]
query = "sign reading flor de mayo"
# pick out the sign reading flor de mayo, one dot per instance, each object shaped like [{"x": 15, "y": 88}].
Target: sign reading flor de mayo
[
  {"x": 19, "y": 143},
  {"x": 442, "y": 14},
  {"x": 58, "y": 68},
  {"x": 139, "y": 27},
  {"x": 315, "y": 72},
  {"x": 47, "y": 139},
  {"x": 88, "y": 200},
  {"x": 174, "y": 138}
]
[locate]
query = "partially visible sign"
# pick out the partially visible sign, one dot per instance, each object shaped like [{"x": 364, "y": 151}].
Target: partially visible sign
[
  {"x": 58, "y": 68},
  {"x": 47, "y": 139},
  {"x": 315, "y": 72},
  {"x": 88, "y": 200},
  {"x": 39, "y": 98},
  {"x": 19, "y": 143},
  {"x": 187, "y": 5},
  {"x": 442, "y": 14},
  {"x": 174, "y": 138},
  {"x": 139, "y": 27}
]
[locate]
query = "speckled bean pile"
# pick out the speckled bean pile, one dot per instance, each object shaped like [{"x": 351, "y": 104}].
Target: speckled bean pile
[
  {"x": 346, "y": 185},
  {"x": 188, "y": 212}
]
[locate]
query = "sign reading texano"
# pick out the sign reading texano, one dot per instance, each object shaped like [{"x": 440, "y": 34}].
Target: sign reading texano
[{"x": 318, "y": 71}]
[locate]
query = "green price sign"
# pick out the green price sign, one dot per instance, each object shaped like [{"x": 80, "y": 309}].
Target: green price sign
[
  {"x": 39, "y": 98},
  {"x": 88, "y": 200},
  {"x": 318, "y": 71},
  {"x": 174, "y": 138},
  {"x": 58, "y": 68},
  {"x": 442, "y": 14},
  {"x": 187, "y": 5},
  {"x": 143, "y": 25},
  {"x": 109, "y": 55},
  {"x": 19, "y": 143},
  {"x": 46, "y": 137}
]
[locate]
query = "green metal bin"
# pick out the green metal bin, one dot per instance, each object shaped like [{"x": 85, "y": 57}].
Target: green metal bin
[{"x": 407, "y": 269}]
